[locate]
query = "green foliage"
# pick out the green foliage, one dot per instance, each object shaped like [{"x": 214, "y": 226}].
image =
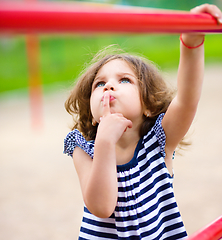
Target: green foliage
[
  {"x": 173, "y": 4},
  {"x": 13, "y": 64}
]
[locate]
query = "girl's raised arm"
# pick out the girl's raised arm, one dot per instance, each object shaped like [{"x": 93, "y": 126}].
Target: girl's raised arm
[{"x": 181, "y": 111}]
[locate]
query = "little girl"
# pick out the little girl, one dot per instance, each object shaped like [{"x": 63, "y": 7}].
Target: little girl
[{"x": 126, "y": 129}]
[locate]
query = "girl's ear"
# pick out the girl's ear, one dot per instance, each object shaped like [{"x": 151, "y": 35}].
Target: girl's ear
[
  {"x": 147, "y": 113},
  {"x": 94, "y": 122}
]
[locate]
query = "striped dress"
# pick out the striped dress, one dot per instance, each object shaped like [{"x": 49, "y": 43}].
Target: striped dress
[{"x": 146, "y": 206}]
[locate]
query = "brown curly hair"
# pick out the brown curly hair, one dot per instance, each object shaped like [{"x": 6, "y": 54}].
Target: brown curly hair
[{"x": 154, "y": 92}]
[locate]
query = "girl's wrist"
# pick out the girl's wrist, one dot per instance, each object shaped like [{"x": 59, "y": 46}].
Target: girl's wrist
[{"x": 192, "y": 41}]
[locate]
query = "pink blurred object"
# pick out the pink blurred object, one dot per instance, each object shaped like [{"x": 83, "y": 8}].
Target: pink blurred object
[{"x": 211, "y": 232}]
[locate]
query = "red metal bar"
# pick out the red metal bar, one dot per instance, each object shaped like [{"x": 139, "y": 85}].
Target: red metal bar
[
  {"x": 51, "y": 17},
  {"x": 211, "y": 232}
]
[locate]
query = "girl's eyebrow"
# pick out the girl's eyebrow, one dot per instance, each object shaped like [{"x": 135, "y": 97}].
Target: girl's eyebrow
[
  {"x": 127, "y": 74},
  {"x": 98, "y": 77},
  {"x": 123, "y": 74},
  {"x": 120, "y": 74}
]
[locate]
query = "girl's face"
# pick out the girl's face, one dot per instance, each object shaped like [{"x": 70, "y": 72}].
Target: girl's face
[{"x": 120, "y": 80}]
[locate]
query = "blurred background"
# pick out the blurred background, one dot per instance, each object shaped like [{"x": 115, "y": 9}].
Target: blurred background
[{"x": 40, "y": 196}]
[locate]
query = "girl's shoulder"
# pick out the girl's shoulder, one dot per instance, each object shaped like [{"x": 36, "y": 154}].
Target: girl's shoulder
[
  {"x": 159, "y": 134},
  {"x": 75, "y": 139}
]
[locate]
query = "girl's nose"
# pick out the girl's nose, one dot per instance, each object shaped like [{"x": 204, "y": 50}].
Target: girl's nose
[{"x": 108, "y": 86}]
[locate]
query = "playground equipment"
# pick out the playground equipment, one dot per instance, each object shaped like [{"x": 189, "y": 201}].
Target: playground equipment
[
  {"x": 49, "y": 17},
  {"x": 35, "y": 86},
  {"x": 211, "y": 232}
]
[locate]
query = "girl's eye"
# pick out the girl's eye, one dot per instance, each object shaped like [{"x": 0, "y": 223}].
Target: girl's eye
[
  {"x": 125, "y": 80},
  {"x": 100, "y": 84}
]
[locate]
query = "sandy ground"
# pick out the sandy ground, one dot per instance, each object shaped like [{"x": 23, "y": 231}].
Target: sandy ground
[{"x": 40, "y": 198}]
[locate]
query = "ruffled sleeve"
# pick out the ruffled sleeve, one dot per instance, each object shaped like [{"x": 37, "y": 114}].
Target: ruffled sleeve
[
  {"x": 75, "y": 139},
  {"x": 160, "y": 134}
]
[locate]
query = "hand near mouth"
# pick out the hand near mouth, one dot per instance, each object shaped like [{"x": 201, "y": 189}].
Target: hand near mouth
[
  {"x": 106, "y": 104},
  {"x": 112, "y": 125},
  {"x": 111, "y": 98}
]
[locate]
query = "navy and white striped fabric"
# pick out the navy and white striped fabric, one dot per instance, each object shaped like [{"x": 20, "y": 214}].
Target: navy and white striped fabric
[{"x": 146, "y": 207}]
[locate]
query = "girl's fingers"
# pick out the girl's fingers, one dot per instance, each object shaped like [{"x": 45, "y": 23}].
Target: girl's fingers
[
  {"x": 218, "y": 16},
  {"x": 119, "y": 116},
  {"x": 129, "y": 124},
  {"x": 106, "y": 107},
  {"x": 211, "y": 9}
]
